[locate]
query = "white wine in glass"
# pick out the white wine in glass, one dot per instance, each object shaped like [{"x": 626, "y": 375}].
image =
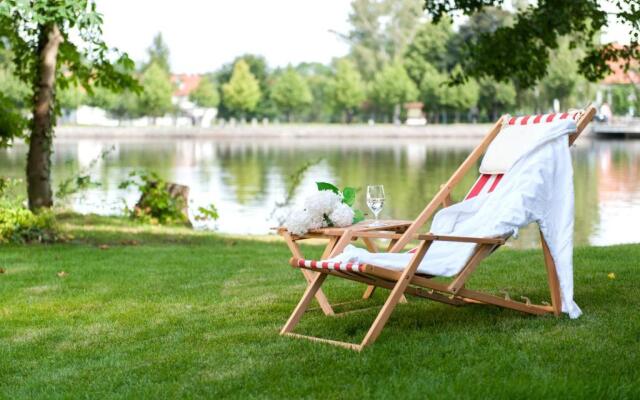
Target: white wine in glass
[{"x": 375, "y": 201}]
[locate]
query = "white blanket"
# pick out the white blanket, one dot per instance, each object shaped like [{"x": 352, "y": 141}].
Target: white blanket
[{"x": 537, "y": 188}]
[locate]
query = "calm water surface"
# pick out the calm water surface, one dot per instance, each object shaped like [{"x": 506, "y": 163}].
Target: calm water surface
[{"x": 249, "y": 179}]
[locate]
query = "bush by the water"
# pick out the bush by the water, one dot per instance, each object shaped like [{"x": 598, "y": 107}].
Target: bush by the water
[
  {"x": 18, "y": 224},
  {"x": 156, "y": 205}
]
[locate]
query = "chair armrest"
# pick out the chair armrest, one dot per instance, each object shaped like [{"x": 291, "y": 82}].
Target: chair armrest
[{"x": 431, "y": 237}]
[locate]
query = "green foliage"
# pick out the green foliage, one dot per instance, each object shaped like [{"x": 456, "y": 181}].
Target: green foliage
[
  {"x": 209, "y": 213},
  {"x": 155, "y": 99},
  {"x": 392, "y": 87},
  {"x": 429, "y": 46},
  {"x": 348, "y": 195},
  {"x": 242, "y": 92},
  {"x": 71, "y": 98},
  {"x": 438, "y": 95},
  {"x": 12, "y": 122},
  {"x": 81, "y": 180},
  {"x": 156, "y": 204},
  {"x": 347, "y": 88},
  {"x": 380, "y": 32},
  {"x": 496, "y": 98},
  {"x": 521, "y": 50},
  {"x": 206, "y": 94},
  {"x": 624, "y": 97},
  {"x": 19, "y": 224},
  {"x": 260, "y": 70},
  {"x": 158, "y": 54},
  {"x": 318, "y": 77},
  {"x": 119, "y": 105},
  {"x": 290, "y": 92}
]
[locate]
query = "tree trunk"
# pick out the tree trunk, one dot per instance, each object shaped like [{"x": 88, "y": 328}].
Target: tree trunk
[
  {"x": 349, "y": 115},
  {"x": 41, "y": 139}
]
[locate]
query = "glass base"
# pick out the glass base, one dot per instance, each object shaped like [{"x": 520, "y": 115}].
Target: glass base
[{"x": 376, "y": 223}]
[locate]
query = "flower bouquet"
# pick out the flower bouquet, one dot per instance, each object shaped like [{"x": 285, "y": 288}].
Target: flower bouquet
[{"x": 327, "y": 207}]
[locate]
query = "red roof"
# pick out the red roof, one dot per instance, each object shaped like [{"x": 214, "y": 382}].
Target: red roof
[{"x": 185, "y": 83}]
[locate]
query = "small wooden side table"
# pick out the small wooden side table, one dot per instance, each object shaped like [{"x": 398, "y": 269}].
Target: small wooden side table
[{"x": 337, "y": 240}]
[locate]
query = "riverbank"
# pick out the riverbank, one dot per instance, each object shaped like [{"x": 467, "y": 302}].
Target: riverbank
[
  {"x": 133, "y": 311},
  {"x": 280, "y": 131}
]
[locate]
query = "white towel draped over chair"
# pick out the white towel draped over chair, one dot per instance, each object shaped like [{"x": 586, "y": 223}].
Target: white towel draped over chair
[{"x": 538, "y": 187}]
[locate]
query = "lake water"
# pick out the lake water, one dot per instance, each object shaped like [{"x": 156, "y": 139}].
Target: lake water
[{"x": 248, "y": 180}]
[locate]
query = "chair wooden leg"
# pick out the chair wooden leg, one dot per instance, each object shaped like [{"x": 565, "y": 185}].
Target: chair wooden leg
[
  {"x": 310, "y": 275},
  {"x": 311, "y": 291},
  {"x": 396, "y": 293},
  {"x": 368, "y": 292},
  {"x": 552, "y": 277}
]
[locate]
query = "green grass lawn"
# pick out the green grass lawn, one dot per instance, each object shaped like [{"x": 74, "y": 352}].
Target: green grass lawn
[{"x": 166, "y": 312}]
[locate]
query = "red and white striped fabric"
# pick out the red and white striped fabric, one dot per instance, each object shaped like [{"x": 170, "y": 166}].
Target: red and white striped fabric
[
  {"x": 485, "y": 184},
  {"x": 329, "y": 265},
  {"x": 542, "y": 118}
]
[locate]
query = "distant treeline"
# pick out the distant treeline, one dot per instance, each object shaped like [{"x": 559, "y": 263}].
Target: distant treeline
[{"x": 396, "y": 57}]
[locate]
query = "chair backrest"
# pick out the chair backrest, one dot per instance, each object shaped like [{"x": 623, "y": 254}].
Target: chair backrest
[
  {"x": 516, "y": 136},
  {"x": 583, "y": 118}
]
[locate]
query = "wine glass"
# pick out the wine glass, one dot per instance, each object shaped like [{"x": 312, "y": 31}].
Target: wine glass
[{"x": 375, "y": 201}]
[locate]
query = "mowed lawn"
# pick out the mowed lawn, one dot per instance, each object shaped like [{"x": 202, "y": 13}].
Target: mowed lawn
[{"x": 143, "y": 312}]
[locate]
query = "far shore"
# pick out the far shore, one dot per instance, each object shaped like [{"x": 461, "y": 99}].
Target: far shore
[{"x": 279, "y": 131}]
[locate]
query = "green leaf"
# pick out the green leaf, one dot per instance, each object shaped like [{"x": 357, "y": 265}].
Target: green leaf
[
  {"x": 358, "y": 216},
  {"x": 349, "y": 196},
  {"x": 327, "y": 186}
]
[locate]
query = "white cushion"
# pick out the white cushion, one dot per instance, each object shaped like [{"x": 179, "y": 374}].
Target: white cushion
[{"x": 515, "y": 140}]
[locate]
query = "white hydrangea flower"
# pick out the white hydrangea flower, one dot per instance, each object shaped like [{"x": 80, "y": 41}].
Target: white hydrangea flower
[
  {"x": 342, "y": 215},
  {"x": 322, "y": 202},
  {"x": 298, "y": 222}
]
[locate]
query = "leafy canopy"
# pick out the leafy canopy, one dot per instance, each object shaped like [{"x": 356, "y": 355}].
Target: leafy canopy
[
  {"x": 83, "y": 57},
  {"x": 347, "y": 88},
  {"x": 521, "y": 50},
  {"x": 155, "y": 99},
  {"x": 206, "y": 94},
  {"x": 242, "y": 92},
  {"x": 392, "y": 86},
  {"x": 290, "y": 92}
]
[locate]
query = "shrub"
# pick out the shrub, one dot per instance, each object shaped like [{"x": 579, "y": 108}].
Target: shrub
[
  {"x": 18, "y": 224},
  {"x": 156, "y": 204}
]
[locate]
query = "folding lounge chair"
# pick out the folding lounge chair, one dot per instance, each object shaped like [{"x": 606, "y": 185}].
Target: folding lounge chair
[{"x": 407, "y": 281}]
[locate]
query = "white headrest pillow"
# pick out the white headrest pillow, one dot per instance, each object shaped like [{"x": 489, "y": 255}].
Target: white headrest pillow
[{"x": 515, "y": 140}]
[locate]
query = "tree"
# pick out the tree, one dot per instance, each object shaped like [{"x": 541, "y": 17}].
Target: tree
[
  {"x": 521, "y": 50},
  {"x": 206, "y": 94},
  {"x": 290, "y": 92},
  {"x": 158, "y": 54},
  {"x": 242, "y": 92},
  {"x": 318, "y": 77},
  {"x": 155, "y": 98},
  {"x": 391, "y": 88},
  {"x": 347, "y": 88},
  {"x": 440, "y": 97},
  {"x": 54, "y": 44},
  {"x": 260, "y": 70},
  {"x": 380, "y": 32},
  {"x": 429, "y": 46},
  {"x": 496, "y": 98},
  {"x": 71, "y": 98}
]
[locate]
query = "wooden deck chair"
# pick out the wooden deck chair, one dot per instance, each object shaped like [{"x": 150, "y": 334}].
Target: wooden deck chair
[{"x": 408, "y": 281}]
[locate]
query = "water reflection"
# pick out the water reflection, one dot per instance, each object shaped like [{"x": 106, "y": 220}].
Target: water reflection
[{"x": 246, "y": 178}]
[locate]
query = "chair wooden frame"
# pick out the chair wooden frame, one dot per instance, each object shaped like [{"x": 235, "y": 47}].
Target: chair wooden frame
[{"x": 400, "y": 233}]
